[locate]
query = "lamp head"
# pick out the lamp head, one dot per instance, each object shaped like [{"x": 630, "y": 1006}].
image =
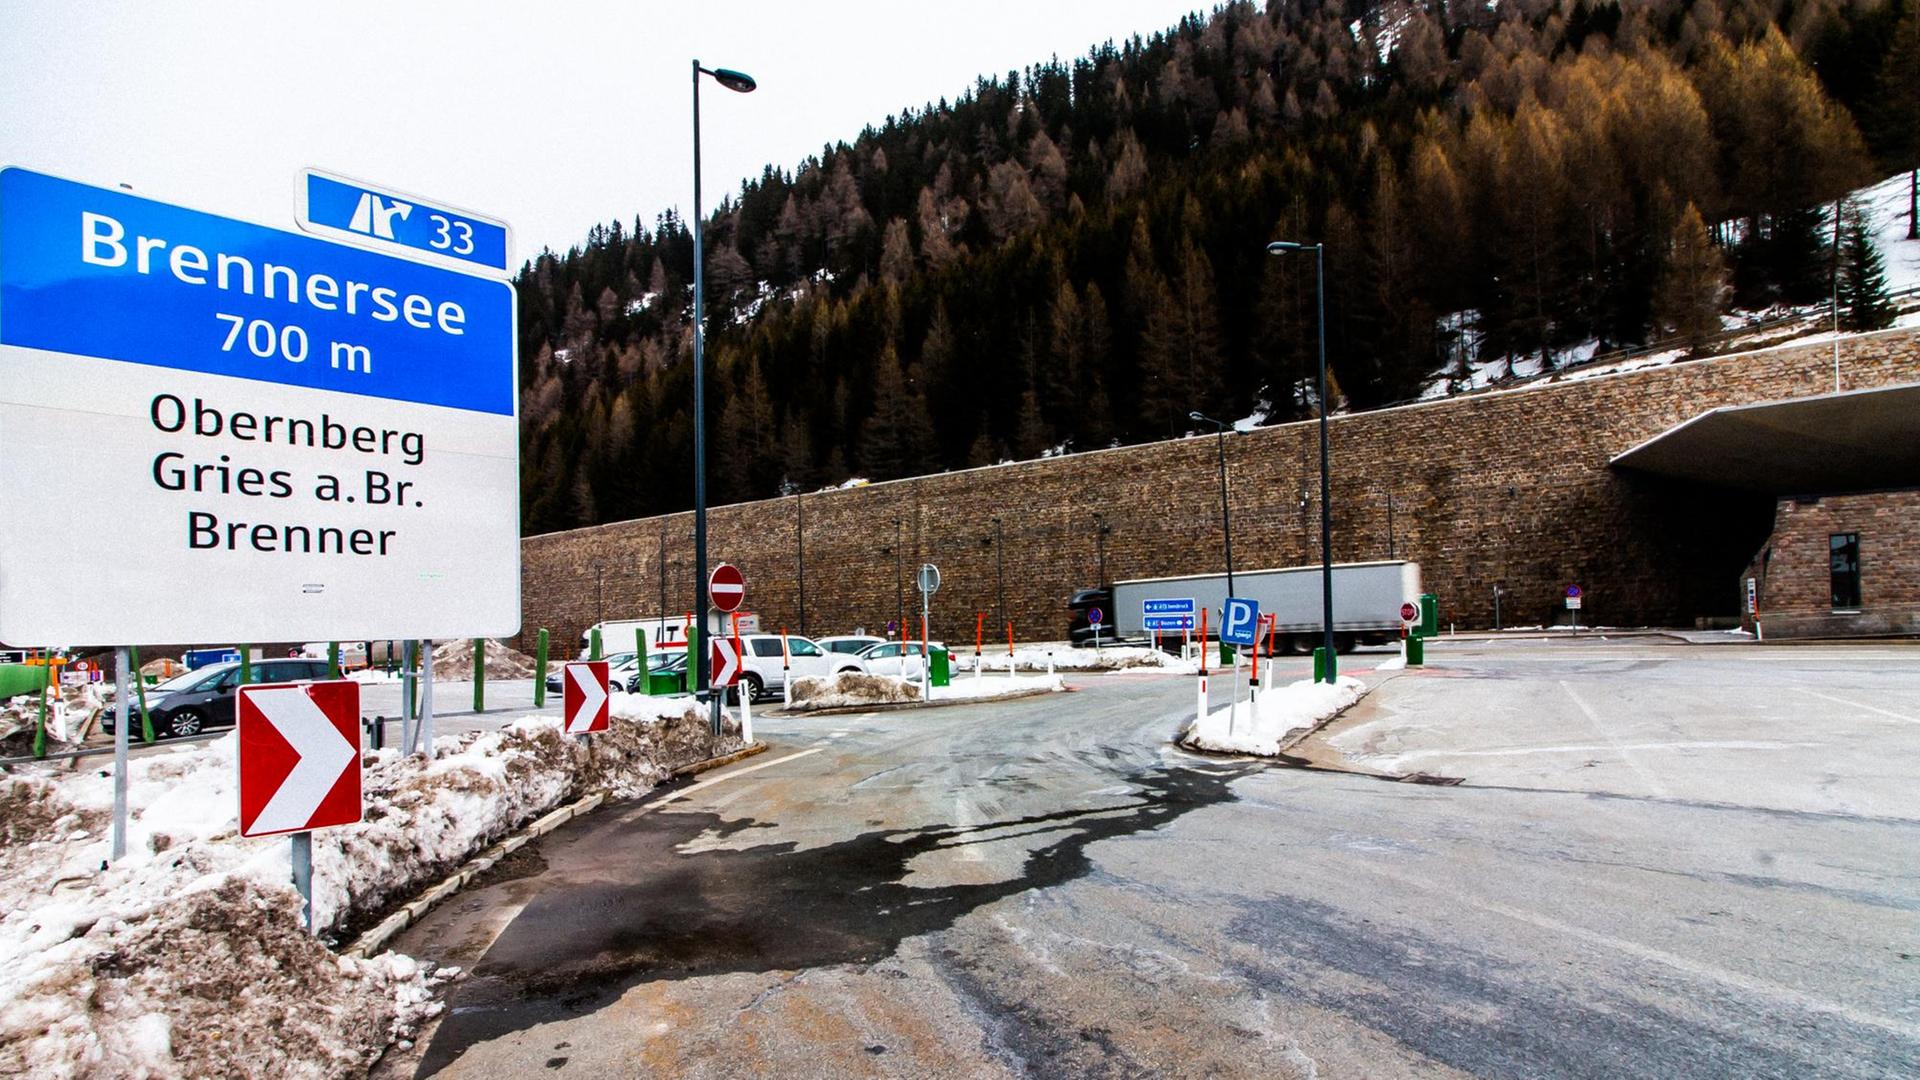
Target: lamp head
[
  {"x": 738, "y": 81},
  {"x": 1281, "y": 247},
  {"x": 1196, "y": 416}
]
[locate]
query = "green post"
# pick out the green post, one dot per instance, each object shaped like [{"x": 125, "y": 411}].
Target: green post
[
  {"x": 246, "y": 665},
  {"x": 1326, "y": 665},
  {"x": 140, "y": 688},
  {"x": 540, "y": 670},
  {"x": 593, "y": 646},
  {"x": 693, "y": 642},
  {"x": 479, "y": 674},
  {"x": 333, "y": 659},
  {"x": 645, "y": 669},
  {"x": 40, "y": 730},
  {"x": 1429, "y": 615}
]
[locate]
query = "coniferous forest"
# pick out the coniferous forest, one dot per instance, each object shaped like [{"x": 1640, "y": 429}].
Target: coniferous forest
[{"x": 1074, "y": 254}]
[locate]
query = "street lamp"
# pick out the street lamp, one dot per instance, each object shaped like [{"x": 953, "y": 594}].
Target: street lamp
[
  {"x": 740, "y": 83},
  {"x": 1282, "y": 247},
  {"x": 1100, "y": 531},
  {"x": 1226, "y": 520},
  {"x": 899, "y": 588}
]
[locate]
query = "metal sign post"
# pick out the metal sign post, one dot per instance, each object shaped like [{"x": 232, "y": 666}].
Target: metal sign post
[
  {"x": 120, "y": 720},
  {"x": 929, "y": 582}
]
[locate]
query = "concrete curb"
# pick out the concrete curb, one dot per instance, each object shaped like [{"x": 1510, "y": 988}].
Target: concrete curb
[
  {"x": 902, "y": 706},
  {"x": 390, "y": 927}
]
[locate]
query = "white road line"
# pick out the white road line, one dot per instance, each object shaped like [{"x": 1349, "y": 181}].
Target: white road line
[
  {"x": 1856, "y": 705},
  {"x": 1758, "y": 987},
  {"x": 1522, "y": 751},
  {"x": 1617, "y": 746},
  {"x": 724, "y": 777}
]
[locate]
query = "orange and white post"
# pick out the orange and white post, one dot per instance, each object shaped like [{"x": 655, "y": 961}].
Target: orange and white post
[
  {"x": 786, "y": 670},
  {"x": 745, "y": 688},
  {"x": 979, "y": 641},
  {"x": 1200, "y": 707}
]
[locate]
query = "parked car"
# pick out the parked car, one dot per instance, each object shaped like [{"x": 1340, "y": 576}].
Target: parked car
[
  {"x": 901, "y": 658},
  {"x": 765, "y": 672},
  {"x": 619, "y": 666},
  {"x": 660, "y": 663},
  {"x": 850, "y": 644},
  {"x": 203, "y": 699}
]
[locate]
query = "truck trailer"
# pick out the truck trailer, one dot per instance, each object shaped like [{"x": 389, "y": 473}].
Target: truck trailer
[{"x": 1366, "y": 603}]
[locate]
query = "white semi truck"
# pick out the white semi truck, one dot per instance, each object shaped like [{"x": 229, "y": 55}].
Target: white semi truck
[
  {"x": 1366, "y": 602},
  {"x": 669, "y": 633}
]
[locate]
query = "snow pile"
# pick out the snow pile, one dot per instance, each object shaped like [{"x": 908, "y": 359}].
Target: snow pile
[
  {"x": 1069, "y": 658},
  {"x": 988, "y": 687},
  {"x": 453, "y": 660},
  {"x": 184, "y": 958},
  {"x": 1275, "y": 715},
  {"x": 67, "y": 714},
  {"x": 851, "y": 688}
]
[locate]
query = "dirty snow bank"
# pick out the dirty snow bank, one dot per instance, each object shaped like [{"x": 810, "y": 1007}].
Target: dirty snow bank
[
  {"x": 453, "y": 660},
  {"x": 68, "y": 711},
  {"x": 850, "y": 688},
  {"x": 185, "y": 959},
  {"x": 1276, "y": 714},
  {"x": 1070, "y": 658}
]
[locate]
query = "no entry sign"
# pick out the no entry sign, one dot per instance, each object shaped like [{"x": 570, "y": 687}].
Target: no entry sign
[
  {"x": 299, "y": 757},
  {"x": 726, "y": 588},
  {"x": 585, "y": 699}
]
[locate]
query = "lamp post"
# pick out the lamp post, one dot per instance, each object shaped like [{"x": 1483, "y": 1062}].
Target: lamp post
[
  {"x": 743, "y": 84},
  {"x": 1100, "y": 531},
  {"x": 1226, "y": 519},
  {"x": 899, "y": 588},
  {"x": 1282, "y": 247}
]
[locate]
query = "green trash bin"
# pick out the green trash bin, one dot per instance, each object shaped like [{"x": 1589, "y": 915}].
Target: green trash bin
[
  {"x": 1429, "y": 615},
  {"x": 1416, "y": 651},
  {"x": 941, "y": 669},
  {"x": 665, "y": 683}
]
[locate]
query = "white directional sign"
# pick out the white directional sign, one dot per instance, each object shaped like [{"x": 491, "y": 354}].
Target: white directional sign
[
  {"x": 585, "y": 699},
  {"x": 726, "y": 662},
  {"x": 299, "y": 756},
  {"x": 282, "y": 438}
]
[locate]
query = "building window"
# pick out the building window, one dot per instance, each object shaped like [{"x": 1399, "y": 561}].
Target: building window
[{"x": 1844, "y": 569}]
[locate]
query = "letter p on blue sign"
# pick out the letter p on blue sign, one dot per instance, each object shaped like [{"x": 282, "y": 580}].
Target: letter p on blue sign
[{"x": 1240, "y": 621}]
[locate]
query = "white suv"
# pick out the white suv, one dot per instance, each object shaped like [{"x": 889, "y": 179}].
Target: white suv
[{"x": 764, "y": 670}]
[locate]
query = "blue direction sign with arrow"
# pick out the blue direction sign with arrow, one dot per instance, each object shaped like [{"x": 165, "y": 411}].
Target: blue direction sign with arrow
[{"x": 1167, "y": 614}]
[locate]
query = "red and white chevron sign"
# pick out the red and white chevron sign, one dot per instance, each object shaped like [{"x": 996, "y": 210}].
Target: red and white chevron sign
[
  {"x": 299, "y": 756},
  {"x": 585, "y": 701},
  {"x": 726, "y": 662}
]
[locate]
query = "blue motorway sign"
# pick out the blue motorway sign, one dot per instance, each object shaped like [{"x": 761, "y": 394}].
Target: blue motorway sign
[
  {"x": 1167, "y": 614},
  {"x": 1240, "y": 621},
  {"x": 338, "y": 205},
  {"x": 95, "y": 272}
]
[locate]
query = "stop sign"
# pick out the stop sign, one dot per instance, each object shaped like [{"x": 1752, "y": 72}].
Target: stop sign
[
  {"x": 726, "y": 588},
  {"x": 1409, "y": 613}
]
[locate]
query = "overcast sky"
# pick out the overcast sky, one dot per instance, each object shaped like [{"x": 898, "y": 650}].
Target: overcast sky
[{"x": 552, "y": 116}]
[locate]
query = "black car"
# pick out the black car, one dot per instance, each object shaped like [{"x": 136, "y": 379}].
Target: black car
[
  {"x": 1079, "y": 630},
  {"x": 203, "y": 699}
]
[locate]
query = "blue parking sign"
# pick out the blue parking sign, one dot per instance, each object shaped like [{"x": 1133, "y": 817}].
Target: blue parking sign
[{"x": 1240, "y": 621}]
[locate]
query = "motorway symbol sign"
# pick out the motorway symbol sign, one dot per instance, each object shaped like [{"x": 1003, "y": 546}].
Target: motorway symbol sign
[
  {"x": 1175, "y": 613},
  {"x": 726, "y": 663},
  {"x": 352, "y": 210},
  {"x": 1409, "y": 613},
  {"x": 928, "y": 579},
  {"x": 1095, "y": 616},
  {"x": 299, "y": 756},
  {"x": 726, "y": 588},
  {"x": 1239, "y": 621},
  {"x": 585, "y": 700},
  {"x": 285, "y": 438}
]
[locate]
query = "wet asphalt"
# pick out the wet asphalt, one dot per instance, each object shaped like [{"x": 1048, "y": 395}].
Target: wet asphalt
[{"x": 1045, "y": 887}]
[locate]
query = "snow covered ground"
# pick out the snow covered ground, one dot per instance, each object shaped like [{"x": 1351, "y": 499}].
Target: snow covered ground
[
  {"x": 1262, "y": 727},
  {"x": 185, "y": 957}
]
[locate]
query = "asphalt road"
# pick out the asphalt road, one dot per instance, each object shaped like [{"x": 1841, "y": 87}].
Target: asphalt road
[{"x": 1045, "y": 887}]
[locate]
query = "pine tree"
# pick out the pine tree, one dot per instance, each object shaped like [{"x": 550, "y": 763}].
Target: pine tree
[
  {"x": 1693, "y": 284},
  {"x": 1862, "y": 286},
  {"x": 897, "y": 438},
  {"x": 1897, "y": 116}
]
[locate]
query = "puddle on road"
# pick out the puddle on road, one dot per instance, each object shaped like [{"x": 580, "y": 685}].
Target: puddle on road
[{"x": 580, "y": 946}]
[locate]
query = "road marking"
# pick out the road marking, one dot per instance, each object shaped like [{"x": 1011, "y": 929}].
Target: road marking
[
  {"x": 1616, "y": 745},
  {"x": 722, "y": 778},
  {"x": 1856, "y": 705},
  {"x": 1759, "y": 987}
]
